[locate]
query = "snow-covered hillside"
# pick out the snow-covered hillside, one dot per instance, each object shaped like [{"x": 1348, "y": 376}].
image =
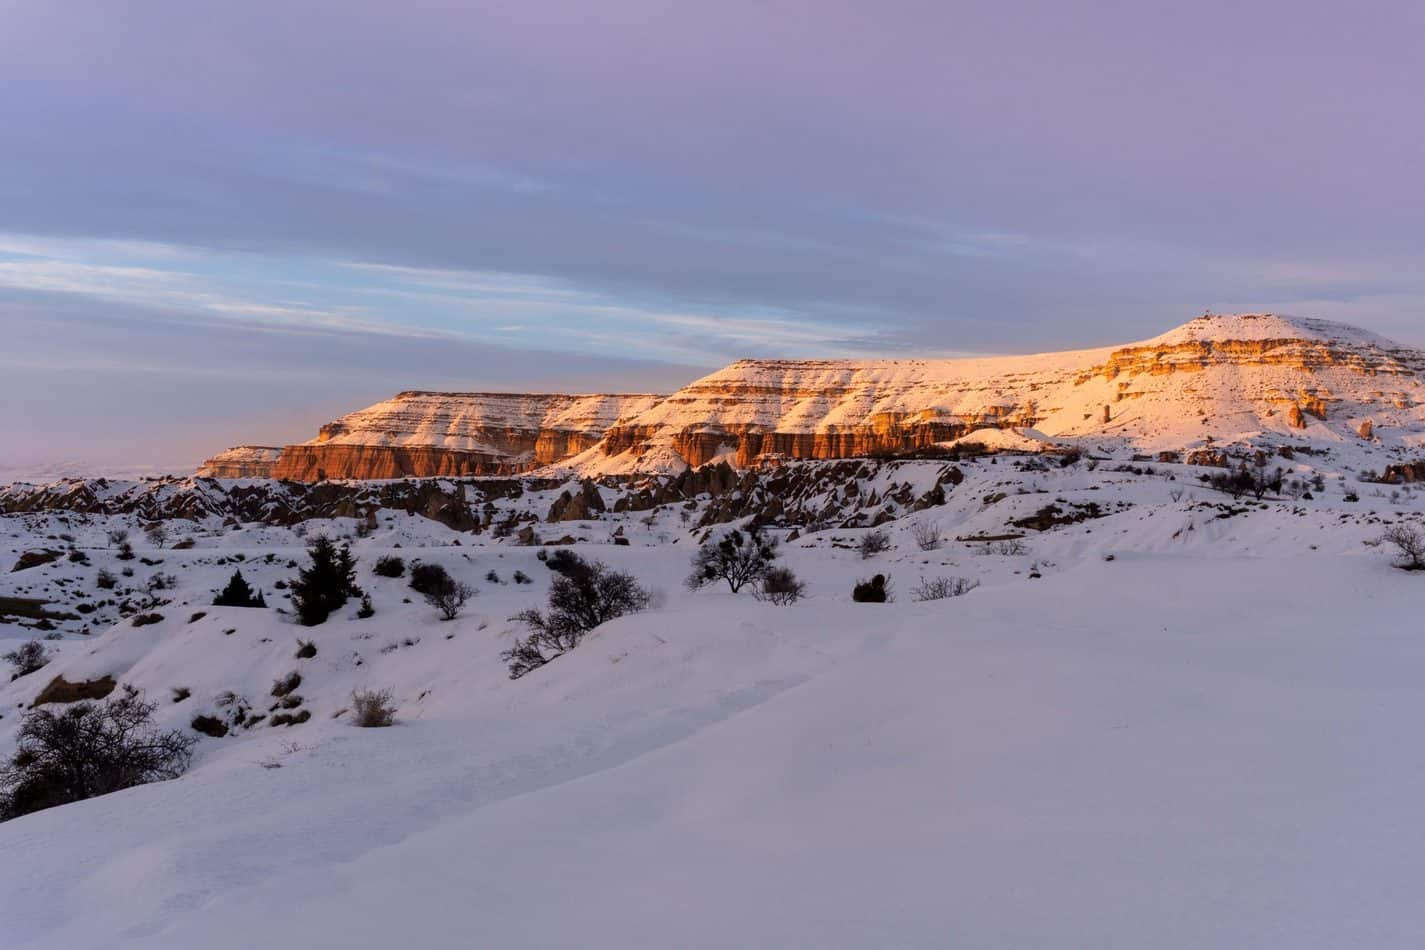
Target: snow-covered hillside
[
  {"x": 1256, "y": 379},
  {"x": 1166, "y": 717}
]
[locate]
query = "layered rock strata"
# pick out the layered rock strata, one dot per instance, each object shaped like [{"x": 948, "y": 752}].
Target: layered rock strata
[{"x": 1216, "y": 380}]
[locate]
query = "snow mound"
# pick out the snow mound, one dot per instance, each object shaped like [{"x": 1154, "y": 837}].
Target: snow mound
[
  {"x": 1257, "y": 327},
  {"x": 1005, "y": 440}
]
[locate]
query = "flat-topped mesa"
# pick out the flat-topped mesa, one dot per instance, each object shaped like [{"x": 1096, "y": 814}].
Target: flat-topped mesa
[
  {"x": 1265, "y": 340},
  {"x": 1245, "y": 379},
  {"x": 241, "y": 461},
  {"x": 1227, "y": 378},
  {"x": 426, "y": 434}
]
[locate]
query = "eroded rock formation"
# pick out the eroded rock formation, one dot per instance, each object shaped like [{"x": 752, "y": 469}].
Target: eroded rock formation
[
  {"x": 243, "y": 461},
  {"x": 425, "y": 434},
  {"x": 1214, "y": 380}
]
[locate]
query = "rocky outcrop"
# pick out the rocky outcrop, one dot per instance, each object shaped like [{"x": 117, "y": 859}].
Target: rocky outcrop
[
  {"x": 585, "y": 504},
  {"x": 830, "y": 493},
  {"x": 242, "y": 461},
  {"x": 1213, "y": 458},
  {"x": 1404, "y": 472},
  {"x": 457, "y": 504}
]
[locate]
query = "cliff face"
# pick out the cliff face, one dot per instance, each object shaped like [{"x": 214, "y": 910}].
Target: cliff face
[
  {"x": 1217, "y": 378},
  {"x": 424, "y": 434},
  {"x": 243, "y": 461},
  {"x": 314, "y": 463},
  {"x": 1213, "y": 381}
]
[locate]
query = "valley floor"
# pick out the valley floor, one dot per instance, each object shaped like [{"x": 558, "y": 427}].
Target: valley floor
[
  {"x": 1208, "y": 740},
  {"x": 1151, "y": 752}
]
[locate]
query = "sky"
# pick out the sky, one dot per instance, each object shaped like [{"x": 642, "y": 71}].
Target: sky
[{"x": 230, "y": 223}]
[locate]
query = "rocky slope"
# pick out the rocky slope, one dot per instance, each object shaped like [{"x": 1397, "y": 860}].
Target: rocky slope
[{"x": 1257, "y": 380}]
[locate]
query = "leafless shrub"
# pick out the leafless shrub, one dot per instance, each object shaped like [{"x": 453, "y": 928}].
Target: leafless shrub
[
  {"x": 372, "y": 708},
  {"x": 583, "y": 596},
  {"x": 926, "y": 535},
  {"x": 27, "y": 657},
  {"x": 780, "y": 586},
  {"x": 1409, "y": 540},
  {"x": 1012, "y": 547},
  {"x": 939, "y": 588},
  {"x": 873, "y": 542},
  {"x": 449, "y": 598},
  {"x": 88, "y": 749}
]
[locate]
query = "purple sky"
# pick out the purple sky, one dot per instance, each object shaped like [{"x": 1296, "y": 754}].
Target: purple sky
[{"x": 229, "y": 222}]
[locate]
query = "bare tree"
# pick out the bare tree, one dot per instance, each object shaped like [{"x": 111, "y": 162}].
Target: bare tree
[
  {"x": 449, "y": 598},
  {"x": 926, "y": 534},
  {"x": 87, "y": 749},
  {"x": 583, "y": 596},
  {"x": 27, "y": 657},
  {"x": 1409, "y": 540},
  {"x": 780, "y": 586},
  {"x": 739, "y": 557},
  {"x": 157, "y": 534}
]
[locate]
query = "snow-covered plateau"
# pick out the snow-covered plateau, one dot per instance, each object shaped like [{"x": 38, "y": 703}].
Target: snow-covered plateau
[
  {"x": 1168, "y": 716},
  {"x": 1260, "y": 379}
]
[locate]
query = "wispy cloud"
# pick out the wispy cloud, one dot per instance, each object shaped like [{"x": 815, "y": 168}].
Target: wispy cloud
[{"x": 529, "y": 310}]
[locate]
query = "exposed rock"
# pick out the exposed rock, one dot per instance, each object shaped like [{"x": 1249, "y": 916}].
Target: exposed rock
[
  {"x": 243, "y": 461},
  {"x": 1404, "y": 472},
  {"x": 586, "y": 504},
  {"x": 1313, "y": 405},
  {"x": 60, "y": 690},
  {"x": 1052, "y": 516},
  {"x": 454, "y": 504},
  {"x": 1214, "y": 458},
  {"x": 424, "y": 434},
  {"x": 1366, "y": 429},
  {"x": 1294, "y": 418},
  {"x": 31, "y": 559}
]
